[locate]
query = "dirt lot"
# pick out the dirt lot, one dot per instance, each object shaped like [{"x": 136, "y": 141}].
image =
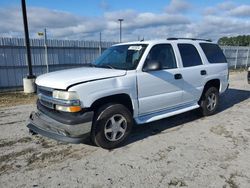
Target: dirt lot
[{"x": 181, "y": 151}]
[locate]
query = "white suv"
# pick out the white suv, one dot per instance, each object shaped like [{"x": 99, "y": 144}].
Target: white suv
[{"x": 130, "y": 83}]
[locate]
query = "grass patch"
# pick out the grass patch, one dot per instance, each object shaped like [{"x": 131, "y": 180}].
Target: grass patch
[{"x": 16, "y": 98}]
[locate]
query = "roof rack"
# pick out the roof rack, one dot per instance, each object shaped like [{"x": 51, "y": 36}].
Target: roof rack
[{"x": 173, "y": 38}]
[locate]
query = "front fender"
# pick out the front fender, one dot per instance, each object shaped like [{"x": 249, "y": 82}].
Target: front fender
[{"x": 89, "y": 92}]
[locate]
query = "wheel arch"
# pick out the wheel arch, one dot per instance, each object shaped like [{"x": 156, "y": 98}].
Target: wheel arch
[
  {"x": 122, "y": 98},
  {"x": 211, "y": 83}
]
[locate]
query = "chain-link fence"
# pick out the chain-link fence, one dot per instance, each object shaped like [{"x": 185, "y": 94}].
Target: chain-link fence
[{"x": 237, "y": 56}]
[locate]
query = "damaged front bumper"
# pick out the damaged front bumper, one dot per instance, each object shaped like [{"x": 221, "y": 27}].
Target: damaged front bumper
[{"x": 76, "y": 131}]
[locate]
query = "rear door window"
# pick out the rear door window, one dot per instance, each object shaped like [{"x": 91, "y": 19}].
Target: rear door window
[
  {"x": 213, "y": 53},
  {"x": 189, "y": 55}
]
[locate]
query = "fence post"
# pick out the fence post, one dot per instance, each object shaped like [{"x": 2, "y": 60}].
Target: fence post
[
  {"x": 247, "y": 56},
  {"x": 100, "y": 44},
  {"x": 236, "y": 58}
]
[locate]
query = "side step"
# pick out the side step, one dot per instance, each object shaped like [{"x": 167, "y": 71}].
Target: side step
[{"x": 164, "y": 114}]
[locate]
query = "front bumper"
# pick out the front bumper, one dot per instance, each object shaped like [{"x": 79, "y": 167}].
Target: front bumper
[{"x": 42, "y": 124}]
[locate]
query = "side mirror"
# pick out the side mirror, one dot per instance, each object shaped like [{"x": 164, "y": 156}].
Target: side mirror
[{"x": 152, "y": 66}]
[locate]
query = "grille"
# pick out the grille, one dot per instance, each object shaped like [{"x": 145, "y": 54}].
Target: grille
[
  {"x": 44, "y": 91},
  {"x": 47, "y": 104},
  {"x": 47, "y": 92}
]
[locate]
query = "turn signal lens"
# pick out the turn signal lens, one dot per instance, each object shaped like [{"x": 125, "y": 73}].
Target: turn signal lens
[
  {"x": 68, "y": 108},
  {"x": 75, "y": 108}
]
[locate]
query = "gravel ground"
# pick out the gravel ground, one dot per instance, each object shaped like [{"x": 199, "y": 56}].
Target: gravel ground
[{"x": 181, "y": 151}]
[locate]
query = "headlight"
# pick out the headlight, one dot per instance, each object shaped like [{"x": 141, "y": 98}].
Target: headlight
[
  {"x": 65, "y": 95},
  {"x": 70, "y": 101}
]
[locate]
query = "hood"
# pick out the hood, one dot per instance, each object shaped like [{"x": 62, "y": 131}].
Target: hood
[{"x": 64, "y": 78}]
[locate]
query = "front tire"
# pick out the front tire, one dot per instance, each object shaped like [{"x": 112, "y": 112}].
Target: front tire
[
  {"x": 209, "y": 101},
  {"x": 111, "y": 126}
]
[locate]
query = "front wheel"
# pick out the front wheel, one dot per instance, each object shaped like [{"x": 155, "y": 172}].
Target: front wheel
[
  {"x": 112, "y": 125},
  {"x": 209, "y": 102}
]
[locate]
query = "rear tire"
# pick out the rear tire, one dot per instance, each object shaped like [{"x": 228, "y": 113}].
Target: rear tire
[
  {"x": 209, "y": 101},
  {"x": 111, "y": 126}
]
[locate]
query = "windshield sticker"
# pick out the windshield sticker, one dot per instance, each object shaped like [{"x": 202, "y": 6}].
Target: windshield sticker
[{"x": 137, "y": 48}]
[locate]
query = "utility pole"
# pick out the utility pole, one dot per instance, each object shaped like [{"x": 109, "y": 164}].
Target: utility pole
[
  {"x": 27, "y": 40},
  {"x": 29, "y": 81},
  {"x": 46, "y": 49},
  {"x": 120, "y": 21}
]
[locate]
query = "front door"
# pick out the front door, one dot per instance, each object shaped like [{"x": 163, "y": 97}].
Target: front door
[{"x": 161, "y": 89}]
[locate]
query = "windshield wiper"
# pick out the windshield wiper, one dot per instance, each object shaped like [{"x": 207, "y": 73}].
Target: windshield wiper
[
  {"x": 98, "y": 66},
  {"x": 105, "y": 66},
  {"x": 89, "y": 65},
  {"x": 109, "y": 66}
]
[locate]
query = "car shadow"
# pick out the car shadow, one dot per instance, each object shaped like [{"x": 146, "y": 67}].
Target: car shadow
[{"x": 230, "y": 98}]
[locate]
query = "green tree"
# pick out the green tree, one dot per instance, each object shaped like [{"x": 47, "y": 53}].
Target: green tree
[{"x": 241, "y": 40}]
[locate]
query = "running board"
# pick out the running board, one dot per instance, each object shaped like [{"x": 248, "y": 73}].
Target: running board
[{"x": 163, "y": 114}]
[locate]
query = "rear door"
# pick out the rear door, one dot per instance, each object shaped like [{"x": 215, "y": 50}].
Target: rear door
[
  {"x": 193, "y": 73},
  {"x": 217, "y": 66}
]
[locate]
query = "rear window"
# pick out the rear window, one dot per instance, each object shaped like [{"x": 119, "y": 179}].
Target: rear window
[{"x": 213, "y": 53}]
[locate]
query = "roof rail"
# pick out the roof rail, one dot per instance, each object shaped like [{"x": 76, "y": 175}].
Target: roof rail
[{"x": 173, "y": 38}]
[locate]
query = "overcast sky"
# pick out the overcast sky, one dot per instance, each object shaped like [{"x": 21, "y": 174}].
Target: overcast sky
[{"x": 151, "y": 19}]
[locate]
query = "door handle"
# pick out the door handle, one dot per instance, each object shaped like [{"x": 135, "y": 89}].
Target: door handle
[
  {"x": 177, "y": 76},
  {"x": 203, "y": 72}
]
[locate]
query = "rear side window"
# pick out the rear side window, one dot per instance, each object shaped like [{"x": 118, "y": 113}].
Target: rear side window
[
  {"x": 213, "y": 53},
  {"x": 189, "y": 55}
]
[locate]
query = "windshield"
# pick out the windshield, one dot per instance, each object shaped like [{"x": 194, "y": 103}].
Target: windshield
[{"x": 124, "y": 57}]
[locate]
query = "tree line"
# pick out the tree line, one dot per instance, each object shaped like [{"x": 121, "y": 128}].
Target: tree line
[{"x": 241, "y": 40}]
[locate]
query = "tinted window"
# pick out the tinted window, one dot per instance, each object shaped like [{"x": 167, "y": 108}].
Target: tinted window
[
  {"x": 189, "y": 55},
  {"x": 164, "y": 54},
  {"x": 213, "y": 53}
]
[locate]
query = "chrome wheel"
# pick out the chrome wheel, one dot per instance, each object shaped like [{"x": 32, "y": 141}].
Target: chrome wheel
[
  {"x": 115, "y": 127},
  {"x": 212, "y": 101}
]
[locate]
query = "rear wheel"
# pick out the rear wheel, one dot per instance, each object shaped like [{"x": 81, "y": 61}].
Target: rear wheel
[
  {"x": 209, "y": 102},
  {"x": 112, "y": 125}
]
